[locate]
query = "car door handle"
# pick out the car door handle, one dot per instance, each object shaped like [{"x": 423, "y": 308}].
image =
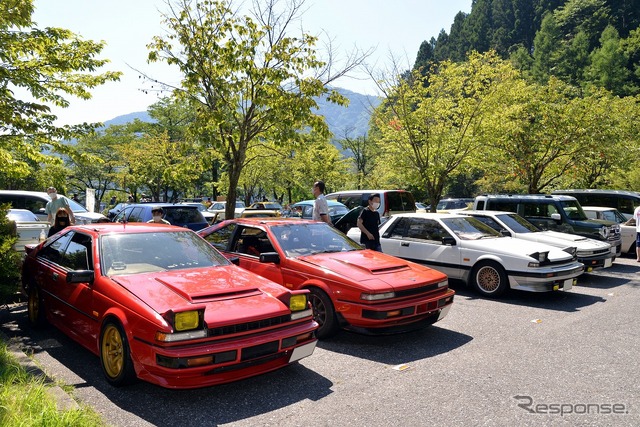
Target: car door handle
[
  {"x": 55, "y": 276},
  {"x": 404, "y": 244}
]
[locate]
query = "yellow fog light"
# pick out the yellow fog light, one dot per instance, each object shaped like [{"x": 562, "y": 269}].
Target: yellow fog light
[
  {"x": 298, "y": 302},
  {"x": 186, "y": 320}
]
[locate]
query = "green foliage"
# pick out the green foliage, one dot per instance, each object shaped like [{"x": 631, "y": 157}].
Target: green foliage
[
  {"x": 48, "y": 64},
  {"x": 430, "y": 125},
  {"x": 24, "y": 400},
  {"x": 248, "y": 79},
  {"x": 9, "y": 258}
]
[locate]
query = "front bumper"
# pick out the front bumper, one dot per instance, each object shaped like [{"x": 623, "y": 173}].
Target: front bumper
[
  {"x": 231, "y": 358},
  {"x": 546, "y": 279},
  {"x": 394, "y": 316}
]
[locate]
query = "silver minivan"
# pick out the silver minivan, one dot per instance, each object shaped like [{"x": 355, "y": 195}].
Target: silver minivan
[{"x": 35, "y": 201}]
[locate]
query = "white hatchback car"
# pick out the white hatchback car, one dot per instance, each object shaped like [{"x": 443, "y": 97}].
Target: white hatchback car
[
  {"x": 218, "y": 209},
  {"x": 592, "y": 253},
  {"x": 466, "y": 249}
]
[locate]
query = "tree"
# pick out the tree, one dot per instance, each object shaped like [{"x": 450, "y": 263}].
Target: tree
[
  {"x": 430, "y": 125},
  {"x": 545, "y": 135},
  {"x": 48, "y": 64},
  {"x": 246, "y": 77},
  {"x": 364, "y": 151},
  {"x": 608, "y": 67}
]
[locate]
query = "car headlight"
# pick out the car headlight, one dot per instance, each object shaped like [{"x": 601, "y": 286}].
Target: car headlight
[
  {"x": 604, "y": 232},
  {"x": 186, "y": 320},
  {"x": 541, "y": 258},
  {"x": 377, "y": 297},
  {"x": 298, "y": 302}
]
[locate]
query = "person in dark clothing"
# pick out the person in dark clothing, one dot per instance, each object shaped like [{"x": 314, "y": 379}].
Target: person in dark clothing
[
  {"x": 60, "y": 223},
  {"x": 368, "y": 223}
]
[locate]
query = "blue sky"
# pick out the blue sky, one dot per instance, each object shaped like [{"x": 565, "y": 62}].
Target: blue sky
[{"x": 390, "y": 27}]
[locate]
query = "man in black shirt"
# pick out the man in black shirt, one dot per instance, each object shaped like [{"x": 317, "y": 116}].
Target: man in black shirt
[{"x": 368, "y": 223}]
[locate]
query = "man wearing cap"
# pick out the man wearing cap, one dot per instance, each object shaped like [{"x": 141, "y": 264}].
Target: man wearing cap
[{"x": 157, "y": 213}]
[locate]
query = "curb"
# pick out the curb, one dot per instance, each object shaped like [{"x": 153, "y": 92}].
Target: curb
[{"x": 64, "y": 402}]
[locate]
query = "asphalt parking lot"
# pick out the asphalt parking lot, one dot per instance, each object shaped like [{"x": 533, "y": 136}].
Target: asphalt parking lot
[{"x": 526, "y": 359}]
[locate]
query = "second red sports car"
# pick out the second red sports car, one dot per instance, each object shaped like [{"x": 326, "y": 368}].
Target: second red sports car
[{"x": 353, "y": 288}]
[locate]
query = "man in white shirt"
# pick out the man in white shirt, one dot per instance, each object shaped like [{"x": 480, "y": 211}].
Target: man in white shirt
[{"x": 320, "y": 206}]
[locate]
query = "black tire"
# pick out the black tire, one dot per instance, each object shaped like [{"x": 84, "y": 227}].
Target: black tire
[
  {"x": 35, "y": 308},
  {"x": 323, "y": 313},
  {"x": 115, "y": 356},
  {"x": 489, "y": 279}
]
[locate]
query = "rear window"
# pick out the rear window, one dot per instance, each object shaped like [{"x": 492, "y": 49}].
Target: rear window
[
  {"x": 400, "y": 201},
  {"x": 183, "y": 215}
]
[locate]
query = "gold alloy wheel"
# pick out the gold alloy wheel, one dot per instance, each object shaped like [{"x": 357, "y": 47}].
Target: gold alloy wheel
[
  {"x": 112, "y": 349},
  {"x": 33, "y": 307},
  {"x": 488, "y": 279}
]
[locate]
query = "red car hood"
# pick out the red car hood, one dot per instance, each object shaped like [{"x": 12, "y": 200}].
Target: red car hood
[
  {"x": 375, "y": 270},
  {"x": 229, "y": 293}
]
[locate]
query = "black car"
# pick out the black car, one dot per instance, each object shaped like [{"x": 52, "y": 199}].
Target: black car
[
  {"x": 177, "y": 214},
  {"x": 116, "y": 210}
]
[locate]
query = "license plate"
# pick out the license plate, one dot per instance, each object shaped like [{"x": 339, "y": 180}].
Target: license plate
[
  {"x": 608, "y": 263},
  {"x": 568, "y": 284},
  {"x": 302, "y": 351}
]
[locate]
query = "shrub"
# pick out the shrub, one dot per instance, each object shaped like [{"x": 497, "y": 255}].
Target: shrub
[{"x": 9, "y": 258}]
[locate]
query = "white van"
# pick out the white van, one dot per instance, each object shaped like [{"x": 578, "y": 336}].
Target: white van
[
  {"x": 35, "y": 201},
  {"x": 391, "y": 202}
]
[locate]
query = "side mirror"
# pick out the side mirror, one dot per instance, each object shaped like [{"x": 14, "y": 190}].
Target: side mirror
[
  {"x": 556, "y": 217},
  {"x": 448, "y": 241},
  {"x": 80, "y": 276},
  {"x": 505, "y": 233},
  {"x": 270, "y": 257},
  {"x": 235, "y": 260}
]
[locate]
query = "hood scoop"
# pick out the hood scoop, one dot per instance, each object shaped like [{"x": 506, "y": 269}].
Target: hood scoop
[{"x": 208, "y": 294}]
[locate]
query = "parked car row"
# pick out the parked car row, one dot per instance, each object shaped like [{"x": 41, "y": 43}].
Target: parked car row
[{"x": 167, "y": 305}]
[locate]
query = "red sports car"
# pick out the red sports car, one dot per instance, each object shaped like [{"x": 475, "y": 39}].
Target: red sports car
[
  {"x": 158, "y": 303},
  {"x": 352, "y": 288}
]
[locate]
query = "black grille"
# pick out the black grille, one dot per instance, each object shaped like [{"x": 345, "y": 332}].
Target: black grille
[
  {"x": 415, "y": 291},
  {"x": 249, "y": 326},
  {"x": 259, "y": 350}
]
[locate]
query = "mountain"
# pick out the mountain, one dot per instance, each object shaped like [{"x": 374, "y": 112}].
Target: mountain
[{"x": 351, "y": 121}]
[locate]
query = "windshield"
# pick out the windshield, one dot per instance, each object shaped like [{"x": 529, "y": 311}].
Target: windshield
[
  {"x": 21, "y": 216},
  {"x": 309, "y": 239},
  {"x": 614, "y": 215},
  {"x": 75, "y": 206},
  {"x": 517, "y": 224},
  {"x": 573, "y": 210},
  {"x": 468, "y": 228},
  {"x": 338, "y": 210},
  {"x": 135, "y": 253}
]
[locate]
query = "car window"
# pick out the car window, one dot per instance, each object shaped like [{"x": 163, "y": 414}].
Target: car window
[
  {"x": 507, "y": 206},
  {"x": 468, "y": 228},
  {"x": 398, "y": 229},
  {"x": 21, "y": 216},
  {"x": 252, "y": 241},
  {"x": 489, "y": 221},
  {"x": 220, "y": 238},
  {"x": 307, "y": 211},
  {"x": 426, "y": 229},
  {"x": 518, "y": 224},
  {"x": 53, "y": 250},
  {"x": 134, "y": 253},
  {"x": 312, "y": 238},
  {"x": 183, "y": 215},
  {"x": 77, "y": 255},
  {"x": 136, "y": 215}
]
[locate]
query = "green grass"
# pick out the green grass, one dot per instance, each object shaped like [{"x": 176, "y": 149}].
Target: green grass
[{"x": 24, "y": 400}]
